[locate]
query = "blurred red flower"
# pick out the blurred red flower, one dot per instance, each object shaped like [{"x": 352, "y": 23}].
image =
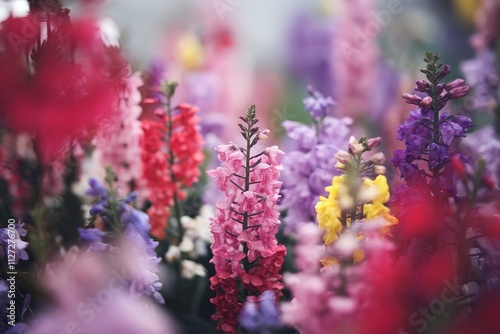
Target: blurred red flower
[{"x": 55, "y": 81}]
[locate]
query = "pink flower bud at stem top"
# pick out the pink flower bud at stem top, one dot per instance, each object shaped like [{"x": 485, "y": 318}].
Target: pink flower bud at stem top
[
  {"x": 355, "y": 146},
  {"x": 459, "y": 92},
  {"x": 454, "y": 84},
  {"x": 426, "y": 102},
  {"x": 379, "y": 170},
  {"x": 263, "y": 135},
  {"x": 444, "y": 72},
  {"x": 342, "y": 156},
  {"x": 422, "y": 86},
  {"x": 411, "y": 99},
  {"x": 373, "y": 142},
  {"x": 378, "y": 158}
]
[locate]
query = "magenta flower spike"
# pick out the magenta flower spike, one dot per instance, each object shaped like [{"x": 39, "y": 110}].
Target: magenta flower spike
[{"x": 247, "y": 256}]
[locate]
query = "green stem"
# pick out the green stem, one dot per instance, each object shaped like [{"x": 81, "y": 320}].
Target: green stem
[
  {"x": 176, "y": 208},
  {"x": 354, "y": 186},
  {"x": 245, "y": 261}
]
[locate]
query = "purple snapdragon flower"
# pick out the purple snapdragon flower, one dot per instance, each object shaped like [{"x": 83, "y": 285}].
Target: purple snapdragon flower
[
  {"x": 427, "y": 133},
  {"x": 136, "y": 244},
  {"x": 317, "y": 105},
  {"x": 97, "y": 189},
  {"x": 311, "y": 165},
  {"x": 93, "y": 237}
]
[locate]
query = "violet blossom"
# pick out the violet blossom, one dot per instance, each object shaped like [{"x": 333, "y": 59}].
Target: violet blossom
[
  {"x": 141, "y": 263},
  {"x": 312, "y": 164}
]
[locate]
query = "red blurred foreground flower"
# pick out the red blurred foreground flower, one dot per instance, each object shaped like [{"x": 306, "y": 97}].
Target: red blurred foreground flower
[{"x": 56, "y": 81}]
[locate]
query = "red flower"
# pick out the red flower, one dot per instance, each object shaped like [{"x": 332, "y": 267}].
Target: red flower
[
  {"x": 57, "y": 87},
  {"x": 157, "y": 176},
  {"x": 169, "y": 168}
]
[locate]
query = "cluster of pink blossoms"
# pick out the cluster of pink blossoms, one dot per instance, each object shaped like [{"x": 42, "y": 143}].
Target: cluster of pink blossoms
[
  {"x": 121, "y": 145},
  {"x": 360, "y": 298},
  {"x": 247, "y": 256}
]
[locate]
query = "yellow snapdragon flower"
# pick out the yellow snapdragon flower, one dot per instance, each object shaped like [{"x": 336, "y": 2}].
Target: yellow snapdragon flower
[
  {"x": 376, "y": 208},
  {"x": 329, "y": 212}
]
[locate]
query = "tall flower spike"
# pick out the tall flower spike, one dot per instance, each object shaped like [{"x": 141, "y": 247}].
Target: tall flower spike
[
  {"x": 247, "y": 256},
  {"x": 311, "y": 164},
  {"x": 172, "y": 153},
  {"x": 427, "y": 133}
]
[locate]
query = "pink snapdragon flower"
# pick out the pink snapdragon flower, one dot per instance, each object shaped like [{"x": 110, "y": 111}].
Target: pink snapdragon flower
[
  {"x": 247, "y": 256},
  {"x": 121, "y": 144}
]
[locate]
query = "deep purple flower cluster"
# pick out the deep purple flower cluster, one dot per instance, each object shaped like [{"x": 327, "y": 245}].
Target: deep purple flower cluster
[
  {"x": 418, "y": 135},
  {"x": 134, "y": 225},
  {"x": 312, "y": 164},
  {"x": 427, "y": 133}
]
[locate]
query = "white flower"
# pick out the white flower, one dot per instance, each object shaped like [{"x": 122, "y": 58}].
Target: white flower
[
  {"x": 197, "y": 232},
  {"x": 173, "y": 254},
  {"x": 187, "y": 245},
  {"x": 191, "y": 269}
]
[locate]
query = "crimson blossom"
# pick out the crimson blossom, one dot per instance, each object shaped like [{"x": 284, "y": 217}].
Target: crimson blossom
[
  {"x": 171, "y": 154},
  {"x": 247, "y": 256},
  {"x": 57, "y": 78}
]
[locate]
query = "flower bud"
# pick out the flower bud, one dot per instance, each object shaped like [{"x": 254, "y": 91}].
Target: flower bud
[
  {"x": 444, "y": 72},
  {"x": 459, "y": 92},
  {"x": 378, "y": 158},
  {"x": 355, "y": 146},
  {"x": 339, "y": 165},
  {"x": 426, "y": 102},
  {"x": 342, "y": 156},
  {"x": 373, "y": 142},
  {"x": 412, "y": 99},
  {"x": 379, "y": 170},
  {"x": 160, "y": 112},
  {"x": 454, "y": 84},
  {"x": 440, "y": 88},
  {"x": 263, "y": 135},
  {"x": 422, "y": 86}
]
